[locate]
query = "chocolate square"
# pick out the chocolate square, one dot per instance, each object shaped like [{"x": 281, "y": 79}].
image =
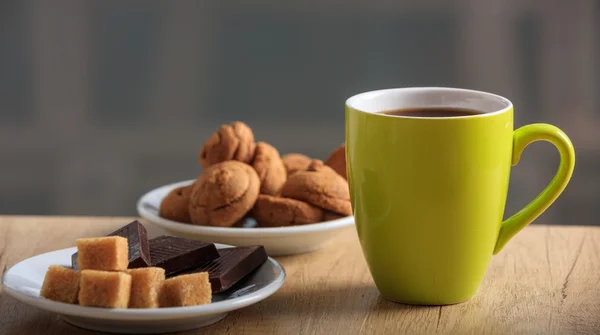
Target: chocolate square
[
  {"x": 176, "y": 254},
  {"x": 232, "y": 266}
]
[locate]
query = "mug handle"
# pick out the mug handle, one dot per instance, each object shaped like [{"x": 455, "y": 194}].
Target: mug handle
[{"x": 521, "y": 139}]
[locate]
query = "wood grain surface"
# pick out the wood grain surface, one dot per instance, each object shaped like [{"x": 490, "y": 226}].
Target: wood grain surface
[{"x": 546, "y": 281}]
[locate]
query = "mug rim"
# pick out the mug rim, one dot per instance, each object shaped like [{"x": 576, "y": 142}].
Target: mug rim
[{"x": 351, "y": 101}]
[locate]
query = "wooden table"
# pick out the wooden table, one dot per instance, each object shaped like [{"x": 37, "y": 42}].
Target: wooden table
[{"x": 546, "y": 281}]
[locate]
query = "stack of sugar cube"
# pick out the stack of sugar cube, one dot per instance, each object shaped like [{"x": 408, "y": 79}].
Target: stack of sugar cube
[{"x": 105, "y": 281}]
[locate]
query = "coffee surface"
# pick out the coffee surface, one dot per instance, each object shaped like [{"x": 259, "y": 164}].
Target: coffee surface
[{"x": 432, "y": 112}]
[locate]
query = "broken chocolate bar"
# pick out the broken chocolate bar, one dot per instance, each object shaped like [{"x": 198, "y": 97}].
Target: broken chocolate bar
[
  {"x": 137, "y": 242},
  {"x": 175, "y": 254},
  {"x": 232, "y": 265}
]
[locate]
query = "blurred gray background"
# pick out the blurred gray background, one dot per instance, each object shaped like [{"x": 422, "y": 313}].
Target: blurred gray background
[{"x": 101, "y": 101}]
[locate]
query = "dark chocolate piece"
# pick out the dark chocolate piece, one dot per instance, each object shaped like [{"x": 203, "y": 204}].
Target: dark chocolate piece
[
  {"x": 176, "y": 254},
  {"x": 137, "y": 242},
  {"x": 232, "y": 266}
]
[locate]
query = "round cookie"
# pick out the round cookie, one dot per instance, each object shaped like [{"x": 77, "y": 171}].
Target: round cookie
[
  {"x": 223, "y": 194},
  {"x": 270, "y": 211},
  {"x": 337, "y": 160},
  {"x": 270, "y": 168},
  {"x": 318, "y": 166},
  {"x": 319, "y": 188},
  {"x": 295, "y": 162},
  {"x": 233, "y": 141},
  {"x": 175, "y": 205}
]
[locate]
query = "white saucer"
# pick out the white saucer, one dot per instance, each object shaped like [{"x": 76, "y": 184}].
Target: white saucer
[
  {"x": 277, "y": 241},
  {"x": 23, "y": 281}
]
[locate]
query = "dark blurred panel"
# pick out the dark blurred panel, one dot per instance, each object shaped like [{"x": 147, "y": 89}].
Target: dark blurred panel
[
  {"x": 25, "y": 190},
  {"x": 16, "y": 96},
  {"x": 394, "y": 48},
  {"x": 528, "y": 47},
  {"x": 125, "y": 37},
  {"x": 284, "y": 67}
]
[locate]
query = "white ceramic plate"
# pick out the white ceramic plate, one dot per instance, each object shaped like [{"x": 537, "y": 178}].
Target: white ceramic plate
[
  {"x": 24, "y": 280},
  {"x": 277, "y": 241}
]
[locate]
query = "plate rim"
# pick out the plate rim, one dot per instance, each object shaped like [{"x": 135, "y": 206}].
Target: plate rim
[
  {"x": 145, "y": 314},
  {"x": 231, "y": 231}
]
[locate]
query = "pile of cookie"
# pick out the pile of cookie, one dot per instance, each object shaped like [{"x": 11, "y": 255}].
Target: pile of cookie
[{"x": 244, "y": 179}]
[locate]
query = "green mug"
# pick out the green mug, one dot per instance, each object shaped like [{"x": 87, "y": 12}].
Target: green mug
[{"x": 428, "y": 193}]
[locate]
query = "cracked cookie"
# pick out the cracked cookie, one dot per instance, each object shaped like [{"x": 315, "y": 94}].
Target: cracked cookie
[
  {"x": 233, "y": 141},
  {"x": 317, "y": 165},
  {"x": 337, "y": 160},
  {"x": 295, "y": 162},
  {"x": 319, "y": 188},
  {"x": 223, "y": 194},
  {"x": 270, "y": 168},
  {"x": 270, "y": 211},
  {"x": 175, "y": 205}
]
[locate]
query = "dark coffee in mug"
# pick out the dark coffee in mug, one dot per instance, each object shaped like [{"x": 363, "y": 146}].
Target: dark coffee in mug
[{"x": 432, "y": 112}]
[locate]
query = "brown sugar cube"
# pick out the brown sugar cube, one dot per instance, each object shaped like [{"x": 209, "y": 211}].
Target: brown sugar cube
[
  {"x": 61, "y": 284},
  {"x": 186, "y": 290},
  {"x": 104, "y": 289},
  {"x": 102, "y": 253},
  {"x": 146, "y": 284}
]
